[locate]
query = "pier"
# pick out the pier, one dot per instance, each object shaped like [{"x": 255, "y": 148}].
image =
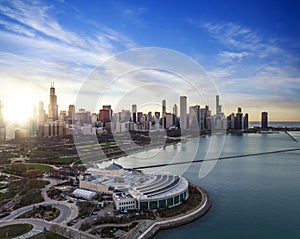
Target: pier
[
  {"x": 293, "y": 138},
  {"x": 213, "y": 159}
]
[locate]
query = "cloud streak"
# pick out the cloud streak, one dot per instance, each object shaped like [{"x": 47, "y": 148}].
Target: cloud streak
[{"x": 35, "y": 47}]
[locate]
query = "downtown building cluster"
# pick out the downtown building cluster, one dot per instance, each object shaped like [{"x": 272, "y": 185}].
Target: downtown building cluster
[
  {"x": 61, "y": 123},
  {"x": 106, "y": 121}
]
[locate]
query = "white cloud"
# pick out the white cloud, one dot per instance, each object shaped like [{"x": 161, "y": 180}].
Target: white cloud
[
  {"x": 227, "y": 56},
  {"x": 37, "y": 49}
]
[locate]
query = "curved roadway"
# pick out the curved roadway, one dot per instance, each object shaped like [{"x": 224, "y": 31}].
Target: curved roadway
[{"x": 68, "y": 212}]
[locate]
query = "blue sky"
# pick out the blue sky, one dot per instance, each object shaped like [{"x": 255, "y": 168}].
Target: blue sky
[{"x": 250, "y": 49}]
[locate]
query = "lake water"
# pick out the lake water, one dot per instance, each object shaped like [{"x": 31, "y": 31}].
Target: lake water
[
  {"x": 277, "y": 124},
  {"x": 253, "y": 197}
]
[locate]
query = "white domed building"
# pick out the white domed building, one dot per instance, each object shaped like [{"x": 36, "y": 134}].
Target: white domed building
[{"x": 135, "y": 190}]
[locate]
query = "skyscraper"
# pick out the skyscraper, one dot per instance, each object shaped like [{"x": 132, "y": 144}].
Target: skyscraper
[
  {"x": 218, "y": 106},
  {"x": 105, "y": 114},
  {"x": 134, "y": 110},
  {"x": 264, "y": 120},
  {"x": 71, "y": 112},
  {"x": 239, "y": 119},
  {"x": 183, "y": 116},
  {"x": 194, "y": 117},
  {"x": 164, "y": 108},
  {"x": 33, "y": 124},
  {"x": 175, "y": 113},
  {"x": 175, "y": 110},
  {"x": 53, "y": 107},
  {"x": 42, "y": 113},
  {"x": 246, "y": 121}
]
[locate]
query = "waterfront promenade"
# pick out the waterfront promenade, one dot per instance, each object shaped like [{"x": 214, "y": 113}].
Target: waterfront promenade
[{"x": 152, "y": 228}]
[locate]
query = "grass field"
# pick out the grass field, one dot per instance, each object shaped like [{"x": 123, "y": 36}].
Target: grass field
[
  {"x": 14, "y": 230},
  {"x": 63, "y": 160},
  {"x": 42, "y": 167},
  {"x": 104, "y": 144},
  {"x": 47, "y": 235},
  {"x": 3, "y": 185}
]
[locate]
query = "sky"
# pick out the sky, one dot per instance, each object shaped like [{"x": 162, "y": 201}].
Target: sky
[{"x": 248, "y": 51}]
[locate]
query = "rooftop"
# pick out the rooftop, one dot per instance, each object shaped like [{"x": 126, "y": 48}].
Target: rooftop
[{"x": 114, "y": 166}]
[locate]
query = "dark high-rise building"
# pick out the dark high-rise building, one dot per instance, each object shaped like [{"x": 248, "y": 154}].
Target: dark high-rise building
[
  {"x": 239, "y": 119},
  {"x": 264, "y": 120},
  {"x": 52, "y": 107},
  {"x": 139, "y": 116},
  {"x": 246, "y": 121},
  {"x": 231, "y": 121},
  {"x": 164, "y": 108},
  {"x": 175, "y": 113},
  {"x": 134, "y": 110},
  {"x": 150, "y": 118}
]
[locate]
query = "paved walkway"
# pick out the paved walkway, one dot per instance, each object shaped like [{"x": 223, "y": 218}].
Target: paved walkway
[{"x": 173, "y": 221}]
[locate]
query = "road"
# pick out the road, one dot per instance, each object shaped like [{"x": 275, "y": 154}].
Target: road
[
  {"x": 52, "y": 182},
  {"x": 68, "y": 212},
  {"x": 39, "y": 225}
]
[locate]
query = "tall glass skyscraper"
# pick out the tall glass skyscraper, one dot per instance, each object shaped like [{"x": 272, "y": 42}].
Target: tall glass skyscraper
[
  {"x": 183, "y": 116},
  {"x": 264, "y": 120},
  {"x": 53, "y": 107}
]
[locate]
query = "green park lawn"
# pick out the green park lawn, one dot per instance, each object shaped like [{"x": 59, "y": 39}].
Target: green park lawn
[
  {"x": 63, "y": 160},
  {"x": 47, "y": 235},
  {"x": 44, "y": 168},
  {"x": 14, "y": 230}
]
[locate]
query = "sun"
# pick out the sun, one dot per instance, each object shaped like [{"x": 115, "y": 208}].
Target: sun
[{"x": 18, "y": 108}]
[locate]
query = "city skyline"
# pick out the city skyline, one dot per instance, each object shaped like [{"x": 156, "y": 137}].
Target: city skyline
[
  {"x": 254, "y": 63},
  {"x": 109, "y": 120},
  {"x": 54, "y": 111}
]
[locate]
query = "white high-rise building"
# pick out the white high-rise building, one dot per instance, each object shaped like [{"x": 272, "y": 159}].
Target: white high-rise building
[
  {"x": 183, "y": 116},
  {"x": 33, "y": 124}
]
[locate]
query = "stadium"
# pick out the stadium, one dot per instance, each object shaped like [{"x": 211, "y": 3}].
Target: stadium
[{"x": 135, "y": 190}]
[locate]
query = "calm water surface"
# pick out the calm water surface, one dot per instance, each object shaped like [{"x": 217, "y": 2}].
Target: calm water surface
[{"x": 253, "y": 197}]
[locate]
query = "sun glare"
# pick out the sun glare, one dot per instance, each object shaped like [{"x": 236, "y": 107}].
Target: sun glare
[{"x": 18, "y": 108}]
